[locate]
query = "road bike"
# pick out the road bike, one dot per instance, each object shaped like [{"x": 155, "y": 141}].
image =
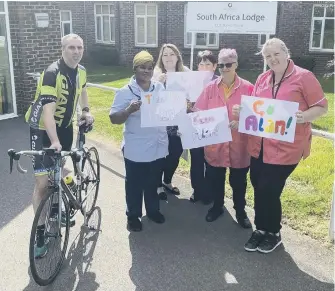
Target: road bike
[{"x": 61, "y": 203}]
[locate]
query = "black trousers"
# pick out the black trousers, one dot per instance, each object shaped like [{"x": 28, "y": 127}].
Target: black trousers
[
  {"x": 172, "y": 160},
  {"x": 268, "y": 181},
  {"x": 216, "y": 178},
  {"x": 142, "y": 178},
  {"x": 197, "y": 172}
]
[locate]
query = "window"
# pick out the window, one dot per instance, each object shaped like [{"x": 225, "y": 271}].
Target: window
[
  {"x": 65, "y": 22},
  {"x": 104, "y": 23},
  {"x": 202, "y": 40},
  {"x": 146, "y": 25},
  {"x": 262, "y": 39},
  {"x": 322, "y": 30}
]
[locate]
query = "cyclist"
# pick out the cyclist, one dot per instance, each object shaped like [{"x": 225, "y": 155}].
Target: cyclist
[{"x": 51, "y": 114}]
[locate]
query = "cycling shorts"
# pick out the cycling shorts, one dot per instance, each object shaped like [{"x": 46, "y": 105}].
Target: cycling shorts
[{"x": 39, "y": 140}]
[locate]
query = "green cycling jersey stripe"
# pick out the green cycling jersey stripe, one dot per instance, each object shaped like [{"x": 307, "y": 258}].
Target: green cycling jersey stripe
[{"x": 48, "y": 90}]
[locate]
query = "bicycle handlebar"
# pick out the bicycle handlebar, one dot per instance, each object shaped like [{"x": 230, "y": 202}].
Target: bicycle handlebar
[{"x": 15, "y": 156}]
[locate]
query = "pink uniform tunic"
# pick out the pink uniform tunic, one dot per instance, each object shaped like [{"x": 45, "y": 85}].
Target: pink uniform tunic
[
  {"x": 298, "y": 85},
  {"x": 230, "y": 154}
]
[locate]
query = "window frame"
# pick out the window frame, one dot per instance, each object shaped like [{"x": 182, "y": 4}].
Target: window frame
[
  {"x": 111, "y": 15},
  {"x": 207, "y": 46},
  {"x": 145, "y": 43},
  {"x": 65, "y": 21},
  {"x": 323, "y": 19},
  {"x": 259, "y": 40}
]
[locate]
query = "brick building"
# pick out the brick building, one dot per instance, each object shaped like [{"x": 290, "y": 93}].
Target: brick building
[{"x": 123, "y": 28}]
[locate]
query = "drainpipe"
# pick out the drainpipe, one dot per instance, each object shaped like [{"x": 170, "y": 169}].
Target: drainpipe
[
  {"x": 119, "y": 28},
  {"x": 85, "y": 32}
]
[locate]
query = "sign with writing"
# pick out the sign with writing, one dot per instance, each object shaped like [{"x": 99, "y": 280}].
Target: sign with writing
[
  {"x": 192, "y": 82},
  {"x": 203, "y": 128},
  {"x": 162, "y": 108},
  {"x": 269, "y": 118},
  {"x": 232, "y": 17}
]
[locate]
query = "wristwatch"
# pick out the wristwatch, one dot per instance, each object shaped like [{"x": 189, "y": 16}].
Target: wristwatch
[{"x": 86, "y": 109}]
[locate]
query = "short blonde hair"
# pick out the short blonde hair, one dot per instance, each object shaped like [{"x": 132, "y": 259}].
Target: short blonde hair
[
  {"x": 160, "y": 65},
  {"x": 67, "y": 37},
  {"x": 275, "y": 41}
]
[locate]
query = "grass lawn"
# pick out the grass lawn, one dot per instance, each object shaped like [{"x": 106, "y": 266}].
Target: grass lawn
[{"x": 307, "y": 196}]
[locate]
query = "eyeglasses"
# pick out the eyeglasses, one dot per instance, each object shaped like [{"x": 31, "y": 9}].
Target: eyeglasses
[{"x": 227, "y": 65}]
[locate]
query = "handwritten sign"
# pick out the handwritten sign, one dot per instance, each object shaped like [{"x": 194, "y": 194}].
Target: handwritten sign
[
  {"x": 163, "y": 108},
  {"x": 192, "y": 82},
  {"x": 269, "y": 118},
  {"x": 203, "y": 128}
]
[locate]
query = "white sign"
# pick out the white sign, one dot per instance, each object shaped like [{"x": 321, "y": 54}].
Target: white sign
[
  {"x": 42, "y": 19},
  {"x": 163, "y": 108},
  {"x": 269, "y": 118},
  {"x": 203, "y": 128},
  {"x": 192, "y": 82},
  {"x": 232, "y": 17}
]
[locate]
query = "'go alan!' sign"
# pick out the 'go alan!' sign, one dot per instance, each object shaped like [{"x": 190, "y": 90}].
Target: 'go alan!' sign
[{"x": 269, "y": 118}]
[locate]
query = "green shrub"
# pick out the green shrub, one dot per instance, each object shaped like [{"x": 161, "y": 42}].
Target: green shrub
[{"x": 330, "y": 68}]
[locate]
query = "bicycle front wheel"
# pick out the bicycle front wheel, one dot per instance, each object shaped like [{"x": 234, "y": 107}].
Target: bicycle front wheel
[
  {"x": 90, "y": 185},
  {"x": 48, "y": 241}
]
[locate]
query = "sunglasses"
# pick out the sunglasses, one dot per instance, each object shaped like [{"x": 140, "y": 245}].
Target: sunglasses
[{"x": 227, "y": 65}]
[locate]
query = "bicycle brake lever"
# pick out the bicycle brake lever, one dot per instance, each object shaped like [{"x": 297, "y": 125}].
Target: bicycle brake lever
[
  {"x": 10, "y": 165},
  {"x": 11, "y": 154}
]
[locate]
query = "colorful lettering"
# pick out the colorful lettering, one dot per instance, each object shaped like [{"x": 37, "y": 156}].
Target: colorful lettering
[
  {"x": 279, "y": 126},
  {"x": 261, "y": 121},
  {"x": 288, "y": 124},
  {"x": 270, "y": 109},
  {"x": 251, "y": 121},
  {"x": 282, "y": 125},
  {"x": 203, "y": 120},
  {"x": 256, "y": 105},
  {"x": 206, "y": 133},
  {"x": 270, "y": 128}
]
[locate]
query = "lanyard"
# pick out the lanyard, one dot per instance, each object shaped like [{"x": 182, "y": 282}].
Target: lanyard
[
  {"x": 138, "y": 96},
  {"x": 275, "y": 92}
]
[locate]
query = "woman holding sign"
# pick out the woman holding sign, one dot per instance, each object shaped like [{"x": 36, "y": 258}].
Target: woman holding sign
[
  {"x": 169, "y": 60},
  {"x": 144, "y": 149},
  {"x": 206, "y": 62},
  {"x": 273, "y": 161},
  {"x": 227, "y": 91}
]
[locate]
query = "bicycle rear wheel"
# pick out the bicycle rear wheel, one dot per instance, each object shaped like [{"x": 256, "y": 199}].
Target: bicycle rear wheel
[
  {"x": 45, "y": 269},
  {"x": 90, "y": 185}
]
